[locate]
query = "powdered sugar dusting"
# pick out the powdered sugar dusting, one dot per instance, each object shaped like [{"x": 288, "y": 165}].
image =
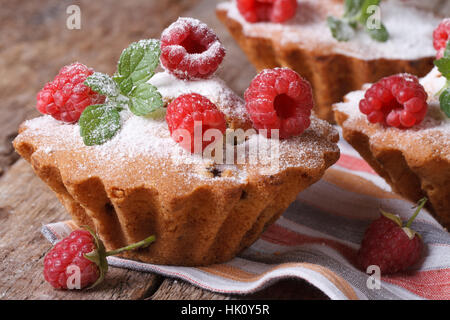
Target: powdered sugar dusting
[
  {"x": 143, "y": 148},
  {"x": 181, "y": 24},
  {"x": 433, "y": 133},
  {"x": 192, "y": 64},
  {"x": 410, "y": 30},
  {"x": 213, "y": 88}
]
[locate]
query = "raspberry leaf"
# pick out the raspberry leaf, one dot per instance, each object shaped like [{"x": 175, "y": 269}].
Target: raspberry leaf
[
  {"x": 392, "y": 217},
  {"x": 97, "y": 256},
  {"x": 137, "y": 64},
  {"x": 409, "y": 232},
  {"x": 340, "y": 29},
  {"x": 103, "y": 84},
  {"x": 144, "y": 99},
  {"x": 99, "y": 123}
]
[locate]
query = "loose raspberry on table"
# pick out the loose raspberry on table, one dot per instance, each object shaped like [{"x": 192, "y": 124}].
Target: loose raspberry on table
[
  {"x": 70, "y": 252},
  {"x": 80, "y": 260},
  {"x": 390, "y": 245},
  {"x": 191, "y": 110},
  {"x": 440, "y": 37},
  {"x": 66, "y": 97},
  {"x": 267, "y": 10},
  {"x": 387, "y": 246},
  {"x": 399, "y": 101},
  {"x": 190, "y": 50},
  {"x": 279, "y": 99}
]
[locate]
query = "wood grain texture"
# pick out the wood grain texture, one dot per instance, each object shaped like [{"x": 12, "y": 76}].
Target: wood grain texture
[
  {"x": 36, "y": 45},
  {"x": 179, "y": 290},
  {"x": 26, "y": 204}
]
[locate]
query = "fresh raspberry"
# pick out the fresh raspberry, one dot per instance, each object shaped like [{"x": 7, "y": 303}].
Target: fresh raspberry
[
  {"x": 267, "y": 10},
  {"x": 389, "y": 245},
  {"x": 190, "y": 50},
  {"x": 279, "y": 99},
  {"x": 440, "y": 37},
  {"x": 187, "y": 109},
  {"x": 66, "y": 97},
  {"x": 72, "y": 251},
  {"x": 399, "y": 101}
]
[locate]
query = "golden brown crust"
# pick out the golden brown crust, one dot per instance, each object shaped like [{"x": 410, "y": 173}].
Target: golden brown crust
[
  {"x": 413, "y": 172},
  {"x": 211, "y": 224},
  {"x": 137, "y": 184},
  {"x": 331, "y": 75}
]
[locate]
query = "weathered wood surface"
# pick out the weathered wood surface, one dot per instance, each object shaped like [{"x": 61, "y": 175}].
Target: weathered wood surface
[
  {"x": 34, "y": 44},
  {"x": 25, "y": 204}
]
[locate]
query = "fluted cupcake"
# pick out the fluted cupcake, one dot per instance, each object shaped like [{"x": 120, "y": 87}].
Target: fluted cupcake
[
  {"x": 121, "y": 170},
  {"x": 305, "y": 44}
]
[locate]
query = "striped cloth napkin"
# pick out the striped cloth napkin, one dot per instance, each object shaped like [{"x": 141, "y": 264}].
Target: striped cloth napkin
[{"x": 317, "y": 239}]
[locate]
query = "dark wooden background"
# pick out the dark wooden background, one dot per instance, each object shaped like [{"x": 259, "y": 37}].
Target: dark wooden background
[{"x": 34, "y": 44}]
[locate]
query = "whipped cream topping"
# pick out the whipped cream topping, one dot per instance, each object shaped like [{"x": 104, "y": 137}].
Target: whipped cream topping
[{"x": 410, "y": 30}]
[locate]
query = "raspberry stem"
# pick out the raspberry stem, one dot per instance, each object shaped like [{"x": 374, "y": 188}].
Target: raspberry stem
[
  {"x": 420, "y": 205},
  {"x": 143, "y": 243}
]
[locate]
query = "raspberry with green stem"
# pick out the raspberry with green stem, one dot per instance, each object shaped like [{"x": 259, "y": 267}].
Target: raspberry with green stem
[
  {"x": 390, "y": 245},
  {"x": 82, "y": 249}
]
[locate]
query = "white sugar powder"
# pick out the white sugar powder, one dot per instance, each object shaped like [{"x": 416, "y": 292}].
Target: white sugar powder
[
  {"x": 410, "y": 30},
  {"x": 144, "y": 138},
  {"x": 435, "y": 128}
]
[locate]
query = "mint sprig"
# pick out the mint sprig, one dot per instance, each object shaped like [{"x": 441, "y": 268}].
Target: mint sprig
[
  {"x": 137, "y": 64},
  {"x": 443, "y": 66},
  {"x": 356, "y": 14},
  {"x": 128, "y": 87}
]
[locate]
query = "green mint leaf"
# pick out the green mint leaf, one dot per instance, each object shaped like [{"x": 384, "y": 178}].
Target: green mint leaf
[
  {"x": 103, "y": 84},
  {"x": 340, "y": 29},
  {"x": 144, "y": 99},
  {"x": 99, "y": 123},
  {"x": 365, "y": 14},
  {"x": 443, "y": 64},
  {"x": 358, "y": 12},
  {"x": 444, "y": 100},
  {"x": 159, "y": 113},
  {"x": 352, "y": 8},
  {"x": 137, "y": 64},
  {"x": 381, "y": 34}
]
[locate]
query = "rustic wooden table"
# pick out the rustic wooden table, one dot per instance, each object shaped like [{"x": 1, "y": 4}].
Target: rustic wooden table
[{"x": 34, "y": 44}]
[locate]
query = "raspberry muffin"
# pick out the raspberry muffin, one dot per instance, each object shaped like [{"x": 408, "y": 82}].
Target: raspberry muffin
[
  {"x": 296, "y": 34},
  {"x": 130, "y": 166},
  {"x": 410, "y": 150}
]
